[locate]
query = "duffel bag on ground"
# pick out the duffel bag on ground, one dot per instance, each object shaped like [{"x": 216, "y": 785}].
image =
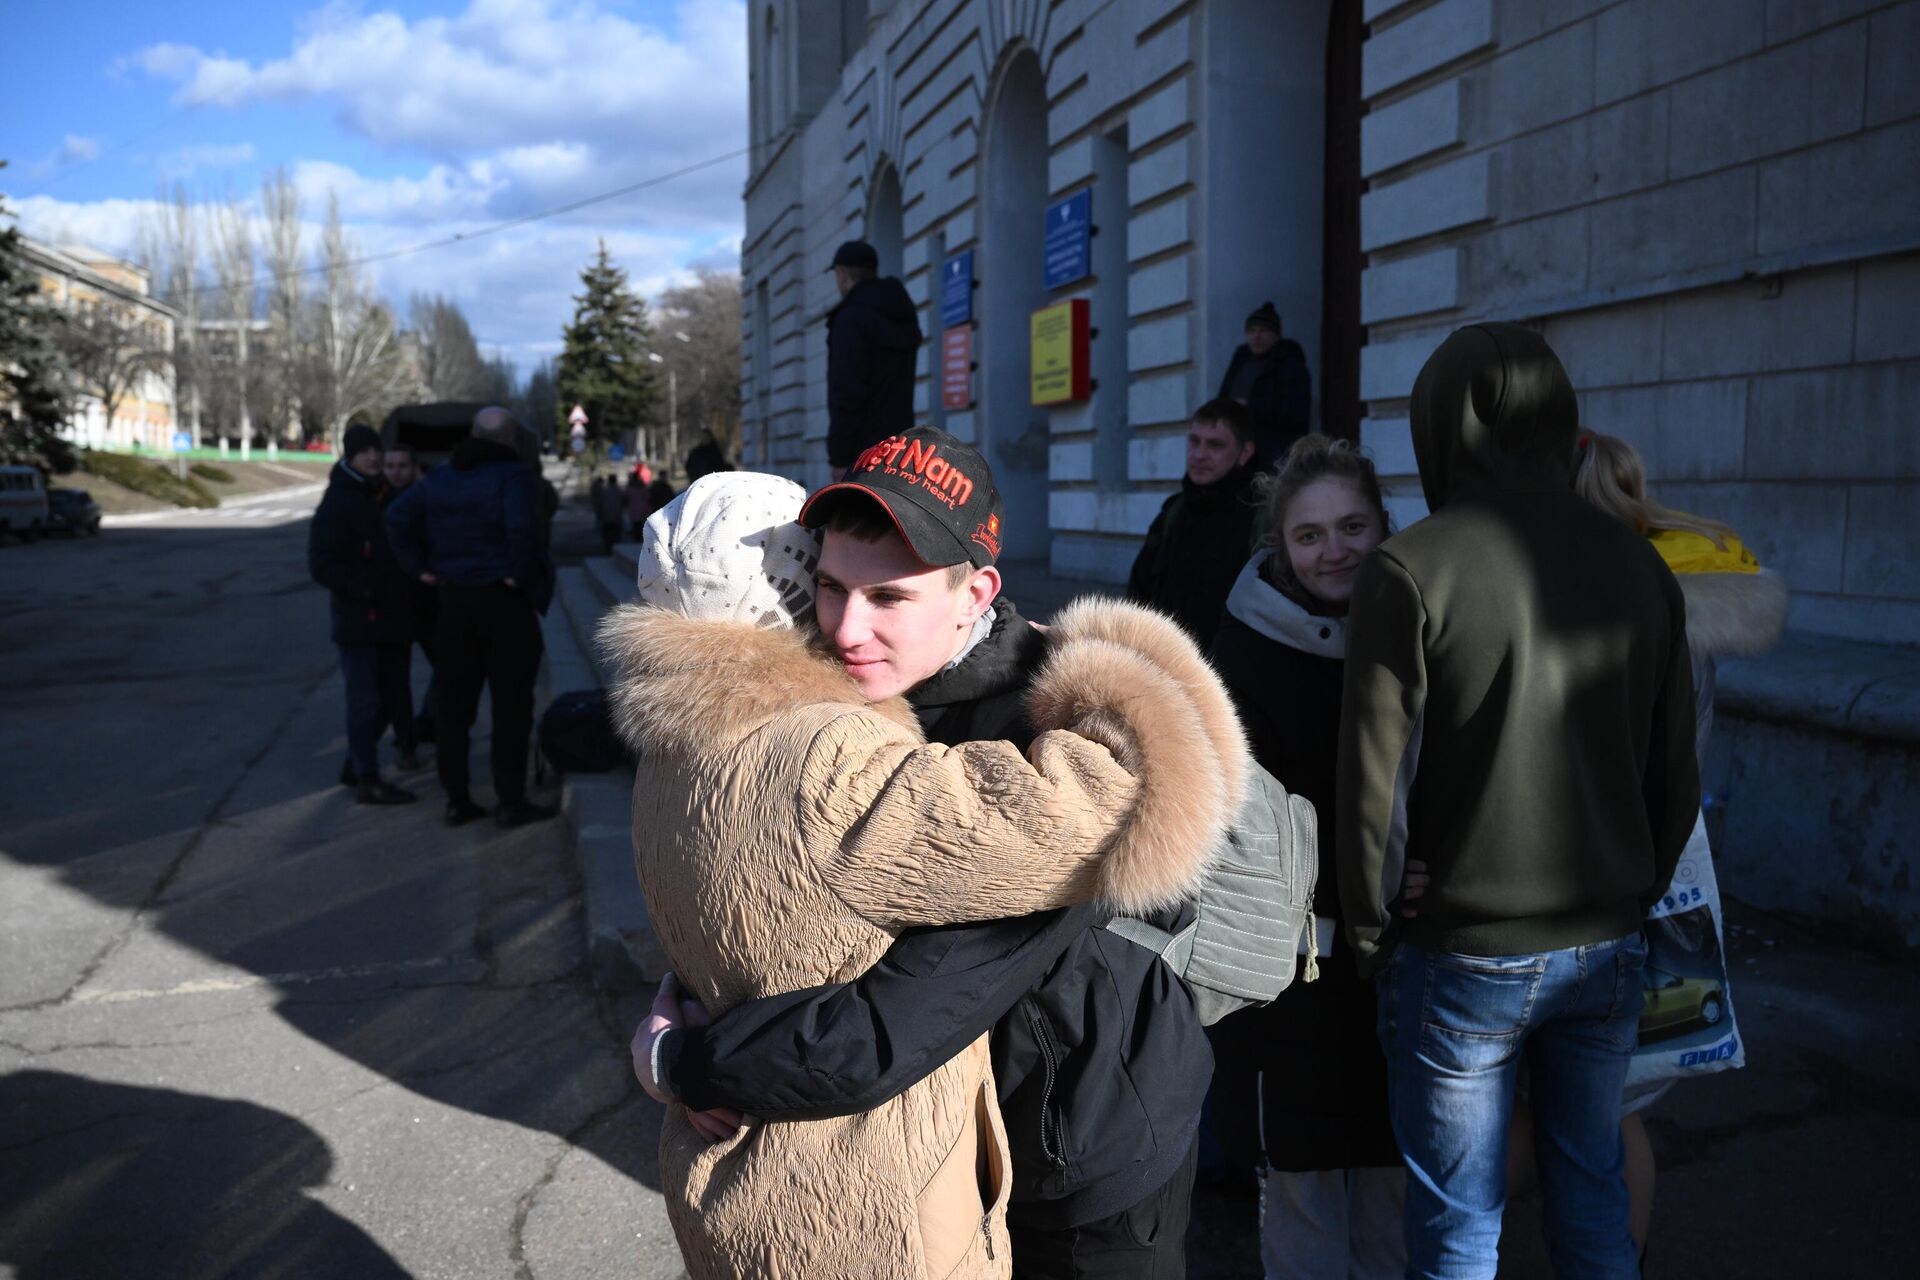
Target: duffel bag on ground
[{"x": 577, "y": 736}]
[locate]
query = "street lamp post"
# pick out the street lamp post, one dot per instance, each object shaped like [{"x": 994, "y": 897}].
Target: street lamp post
[{"x": 673, "y": 405}]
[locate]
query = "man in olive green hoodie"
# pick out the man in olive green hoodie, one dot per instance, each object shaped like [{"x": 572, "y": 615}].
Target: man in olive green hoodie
[{"x": 1518, "y": 714}]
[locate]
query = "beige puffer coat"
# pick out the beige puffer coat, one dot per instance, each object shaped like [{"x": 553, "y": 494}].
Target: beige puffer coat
[{"x": 785, "y": 831}]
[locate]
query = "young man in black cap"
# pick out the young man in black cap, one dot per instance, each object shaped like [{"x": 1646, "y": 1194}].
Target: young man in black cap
[
  {"x": 1268, "y": 374},
  {"x": 872, "y": 337},
  {"x": 1098, "y": 1053}
]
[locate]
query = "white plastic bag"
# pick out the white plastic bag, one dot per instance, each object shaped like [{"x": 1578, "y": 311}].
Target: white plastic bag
[{"x": 1686, "y": 1026}]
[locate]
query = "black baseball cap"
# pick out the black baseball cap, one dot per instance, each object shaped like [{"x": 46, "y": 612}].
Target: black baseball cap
[
  {"x": 856, "y": 253},
  {"x": 937, "y": 490}
]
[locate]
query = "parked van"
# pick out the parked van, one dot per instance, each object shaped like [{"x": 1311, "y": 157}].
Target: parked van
[{"x": 23, "y": 501}]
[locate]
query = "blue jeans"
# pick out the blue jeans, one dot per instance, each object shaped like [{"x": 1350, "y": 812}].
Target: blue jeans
[{"x": 1455, "y": 1029}]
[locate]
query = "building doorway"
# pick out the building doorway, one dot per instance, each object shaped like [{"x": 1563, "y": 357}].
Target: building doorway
[{"x": 1009, "y": 429}]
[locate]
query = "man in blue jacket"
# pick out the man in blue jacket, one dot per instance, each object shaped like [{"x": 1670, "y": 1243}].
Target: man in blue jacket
[{"x": 472, "y": 528}]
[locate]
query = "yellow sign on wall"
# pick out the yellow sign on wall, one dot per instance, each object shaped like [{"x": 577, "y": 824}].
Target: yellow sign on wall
[{"x": 1061, "y": 340}]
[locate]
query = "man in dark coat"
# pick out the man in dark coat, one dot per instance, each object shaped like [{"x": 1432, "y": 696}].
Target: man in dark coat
[
  {"x": 873, "y": 337},
  {"x": 473, "y": 526},
  {"x": 1204, "y": 533},
  {"x": 1268, "y": 374},
  {"x": 348, "y": 554}
]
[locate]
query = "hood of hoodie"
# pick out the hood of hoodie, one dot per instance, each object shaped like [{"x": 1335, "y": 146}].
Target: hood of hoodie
[
  {"x": 887, "y": 299},
  {"x": 474, "y": 452},
  {"x": 1493, "y": 411},
  {"x": 1280, "y": 618},
  {"x": 345, "y": 477}
]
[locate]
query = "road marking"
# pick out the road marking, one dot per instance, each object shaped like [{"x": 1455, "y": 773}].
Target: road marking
[
  {"x": 242, "y": 982},
  {"x": 253, "y": 506}
]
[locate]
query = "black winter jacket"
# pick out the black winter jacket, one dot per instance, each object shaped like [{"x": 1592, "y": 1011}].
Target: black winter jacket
[
  {"x": 1302, "y": 1080},
  {"x": 1098, "y": 1055},
  {"x": 1281, "y": 401},
  {"x": 348, "y": 554},
  {"x": 873, "y": 339},
  {"x": 1194, "y": 550}
]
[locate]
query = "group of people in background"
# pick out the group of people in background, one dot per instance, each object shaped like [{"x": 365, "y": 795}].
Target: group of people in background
[
  {"x": 877, "y": 826},
  {"x": 457, "y": 561}
]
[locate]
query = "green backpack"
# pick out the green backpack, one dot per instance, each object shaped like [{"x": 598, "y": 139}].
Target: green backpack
[{"x": 1252, "y": 910}]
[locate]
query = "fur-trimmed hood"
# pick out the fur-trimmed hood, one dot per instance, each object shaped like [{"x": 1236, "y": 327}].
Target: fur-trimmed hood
[
  {"x": 685, "y": 684},
  {"x": 1132, "y": 680},
  {"x": 1734, "y": 613}
]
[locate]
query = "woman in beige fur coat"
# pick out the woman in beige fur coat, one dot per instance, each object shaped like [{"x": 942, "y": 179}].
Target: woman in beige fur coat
[{"x": 785, "y": 830}]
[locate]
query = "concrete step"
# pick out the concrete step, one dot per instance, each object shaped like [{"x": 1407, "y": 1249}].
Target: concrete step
[
  {"x": 626, "y": 558},
  {"x": 612, "y": 583},
  {"x": 623, "y": 950},
  {"x": 583, "y": 606}
]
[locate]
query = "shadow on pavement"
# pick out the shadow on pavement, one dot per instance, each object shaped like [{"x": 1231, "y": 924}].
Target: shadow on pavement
[
  {"x": 449, "y": 962},
  {"x": 199, "y": 1186}
]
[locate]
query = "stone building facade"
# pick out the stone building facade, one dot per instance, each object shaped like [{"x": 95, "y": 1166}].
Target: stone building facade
[{"x": 1711, "y": 208}]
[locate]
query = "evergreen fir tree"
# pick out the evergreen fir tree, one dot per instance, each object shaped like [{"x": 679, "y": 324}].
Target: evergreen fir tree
[
  {"x": 33, "y": 377},
  {"x": 604, "y": 367}
]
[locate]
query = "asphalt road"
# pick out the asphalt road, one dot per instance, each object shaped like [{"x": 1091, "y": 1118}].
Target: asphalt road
[
  {"x": 249, "y": 1029},
  {"x": 246, "y": 1027}
]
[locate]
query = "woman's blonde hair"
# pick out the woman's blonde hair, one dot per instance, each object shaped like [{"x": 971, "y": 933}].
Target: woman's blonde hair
[
  {"x": 1610, "y": 474},
  {"x": 1313, "y": 457}
]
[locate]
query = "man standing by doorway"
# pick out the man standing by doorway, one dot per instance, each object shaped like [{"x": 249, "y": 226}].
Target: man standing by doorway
[
  {"x": 1204, "y": 534},
  {"x": 348, "y": 554},
  {"x": 1268, "y": 374},
  {"x": 873, "y": 337}
]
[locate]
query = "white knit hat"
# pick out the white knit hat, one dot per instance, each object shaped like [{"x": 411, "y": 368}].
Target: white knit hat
[{"x": 731, "y": 548}]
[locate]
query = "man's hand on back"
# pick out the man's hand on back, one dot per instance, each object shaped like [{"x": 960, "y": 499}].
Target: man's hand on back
[{"x": 671, "y": 1011}]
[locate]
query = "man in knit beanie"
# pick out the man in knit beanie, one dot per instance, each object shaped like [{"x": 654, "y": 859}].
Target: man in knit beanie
[{"x": 1268, "y": 374}]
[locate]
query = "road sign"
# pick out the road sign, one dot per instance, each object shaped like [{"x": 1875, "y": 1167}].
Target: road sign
[
  {"x": 578, "y": 418},
  {"x": 182, "y": 442},
  {"x": 956, "y": 290},
  {"x": 956, "y": 368},
  {"x": 1069, "y": 247},
  {"x": 580, "y": 443},
  {"x": 616, "y": 453}
]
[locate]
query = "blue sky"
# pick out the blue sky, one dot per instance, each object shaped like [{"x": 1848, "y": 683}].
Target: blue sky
[{"x": 422, "y": 119}]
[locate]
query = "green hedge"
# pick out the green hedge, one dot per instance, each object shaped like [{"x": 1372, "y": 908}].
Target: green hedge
[
  {"x": 150, "y": 478},
  {"x": 207, "y": 471}
]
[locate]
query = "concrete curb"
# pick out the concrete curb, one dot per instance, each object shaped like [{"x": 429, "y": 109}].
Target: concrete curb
[{"x": 623, "y": 952}]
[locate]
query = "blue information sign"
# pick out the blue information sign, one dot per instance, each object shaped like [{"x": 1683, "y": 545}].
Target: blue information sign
[
  {"x": 617, "y": 453},
  {"x": 182, "y": 442},
  {"x": 1070, "y": 239},
  {"x": 956, "y": 290}
]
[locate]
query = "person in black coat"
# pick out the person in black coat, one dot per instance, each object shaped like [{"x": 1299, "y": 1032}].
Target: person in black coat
[
  {"x": 873, "y": 339},
  {"x": 1201, "y": 537},
  {"x": 1268, "y": 374},
  {"x": 348, "y": 554},
  {"x": 1300, "y": 1085}
]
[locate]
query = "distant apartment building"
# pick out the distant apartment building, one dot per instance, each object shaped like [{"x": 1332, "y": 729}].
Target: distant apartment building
[
  {"x": 1711, "y": 208},
  {"x": 78, "y": 279}
]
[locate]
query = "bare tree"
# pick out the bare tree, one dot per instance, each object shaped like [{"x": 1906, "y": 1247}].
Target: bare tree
[
  {"x": 110, "y": 347},
  {"x": 450, "y": 362},
  {"x": 705, "y": 364},
  {"x": 234, "y": 264},
  {"x": 280, "y": 200},
  {"x": 171, "y": 249},
  {"x": 354, "y": 363}
]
